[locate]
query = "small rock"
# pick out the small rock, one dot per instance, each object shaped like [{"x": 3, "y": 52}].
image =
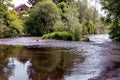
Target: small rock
[{"x": 86, "y": 39}]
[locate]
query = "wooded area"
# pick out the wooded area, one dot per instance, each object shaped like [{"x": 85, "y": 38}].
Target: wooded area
[{"x": 75, "y": 18}]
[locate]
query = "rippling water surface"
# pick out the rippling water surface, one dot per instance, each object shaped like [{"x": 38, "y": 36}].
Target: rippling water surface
[{"x": 30, "y": 58}]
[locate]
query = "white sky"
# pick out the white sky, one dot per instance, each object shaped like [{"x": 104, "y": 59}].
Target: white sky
[
  {"x": 18, "y": 2},
  {"x": 97, "y": 6}
]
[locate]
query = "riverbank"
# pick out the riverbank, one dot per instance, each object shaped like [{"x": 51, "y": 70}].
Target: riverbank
[
  {"x": 29, "y": 41},
  {"x": 37, "y": 41}
]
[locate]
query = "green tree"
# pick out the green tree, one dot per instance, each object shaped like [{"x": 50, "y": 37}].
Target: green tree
[
  {"x": 88, "y": 27},
  {"x": 71, "y": 20},
  {"x": 112, "y": 9},
  {"x": 15, "y": 21},
  {"x": 90, "y": 19},
  {"x": 14, "y": 26},
  {"x": 42, "y": 18},
  {"x": 10, "y": 24}
]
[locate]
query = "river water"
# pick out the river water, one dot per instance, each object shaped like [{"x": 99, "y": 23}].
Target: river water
[{"x": 31, "y": 58}]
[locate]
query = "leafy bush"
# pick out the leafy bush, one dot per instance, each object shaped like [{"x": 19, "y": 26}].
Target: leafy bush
[
  {"x": 14, "y": 25},
  {"x": 59, "y": 26},
  {"x": 10, "y": 32},
  {"x": 42, "y": 18},
  {"x": 88, "y": 28},
  {"x": 10, "y": 24},
  {"x": 115, "y": 30},
  {"x": 59, "y": 36}
]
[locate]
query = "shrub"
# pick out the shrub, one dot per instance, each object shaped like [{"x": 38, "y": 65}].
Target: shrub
[
  {"x": 10, "y": 24},
  {"x": 88, "y": 28},
  {"x": 59, "y": 36},
  {"x": 42, "y": 18},
  {"x": 115, "y": 30}
]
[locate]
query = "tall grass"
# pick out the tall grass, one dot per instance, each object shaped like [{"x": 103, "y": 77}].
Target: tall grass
[{"x": 59, "y": 36}]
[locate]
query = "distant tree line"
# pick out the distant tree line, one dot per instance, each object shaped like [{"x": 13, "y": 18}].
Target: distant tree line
[{"x": 75, "y": 18}]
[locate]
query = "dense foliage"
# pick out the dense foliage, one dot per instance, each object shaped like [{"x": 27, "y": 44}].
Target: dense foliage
[
  {"x": 10, "y": 25},
  {"x": 49, "y": 16},
  {"x": 76, "y": 18},
  {"x": 72, "y": 21},
  {"x": 112, "y": 9},
  {"x": 42, "y": 18}
]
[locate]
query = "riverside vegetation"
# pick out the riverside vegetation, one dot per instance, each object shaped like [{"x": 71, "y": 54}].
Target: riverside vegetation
[{"x": 68, "y": 19}]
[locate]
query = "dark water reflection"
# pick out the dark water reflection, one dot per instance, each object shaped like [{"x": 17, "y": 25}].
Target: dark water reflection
[{"x": 26, "y": 63}]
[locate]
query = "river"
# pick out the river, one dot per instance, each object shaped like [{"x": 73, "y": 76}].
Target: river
[{"x": 31, "y": 58}]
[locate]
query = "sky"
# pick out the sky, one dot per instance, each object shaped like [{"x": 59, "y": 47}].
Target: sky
[
  {"x": 18, "y": 2},
  {"x": 96, "y": 4}
]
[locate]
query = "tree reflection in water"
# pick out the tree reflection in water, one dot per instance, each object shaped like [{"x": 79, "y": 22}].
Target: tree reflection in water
[
  {"x": 6, "y": 66},
  {"x": 50, "y": 64},
  {"x": 45, "y": 63}
]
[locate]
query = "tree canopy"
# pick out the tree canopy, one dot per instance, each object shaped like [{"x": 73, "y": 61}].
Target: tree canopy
[
  {"x": 46, "y": 16},
  {"x": 10, "y": 24},
  {"x": 42, "y": 18},
  {"x": 112, "y": 8}
]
